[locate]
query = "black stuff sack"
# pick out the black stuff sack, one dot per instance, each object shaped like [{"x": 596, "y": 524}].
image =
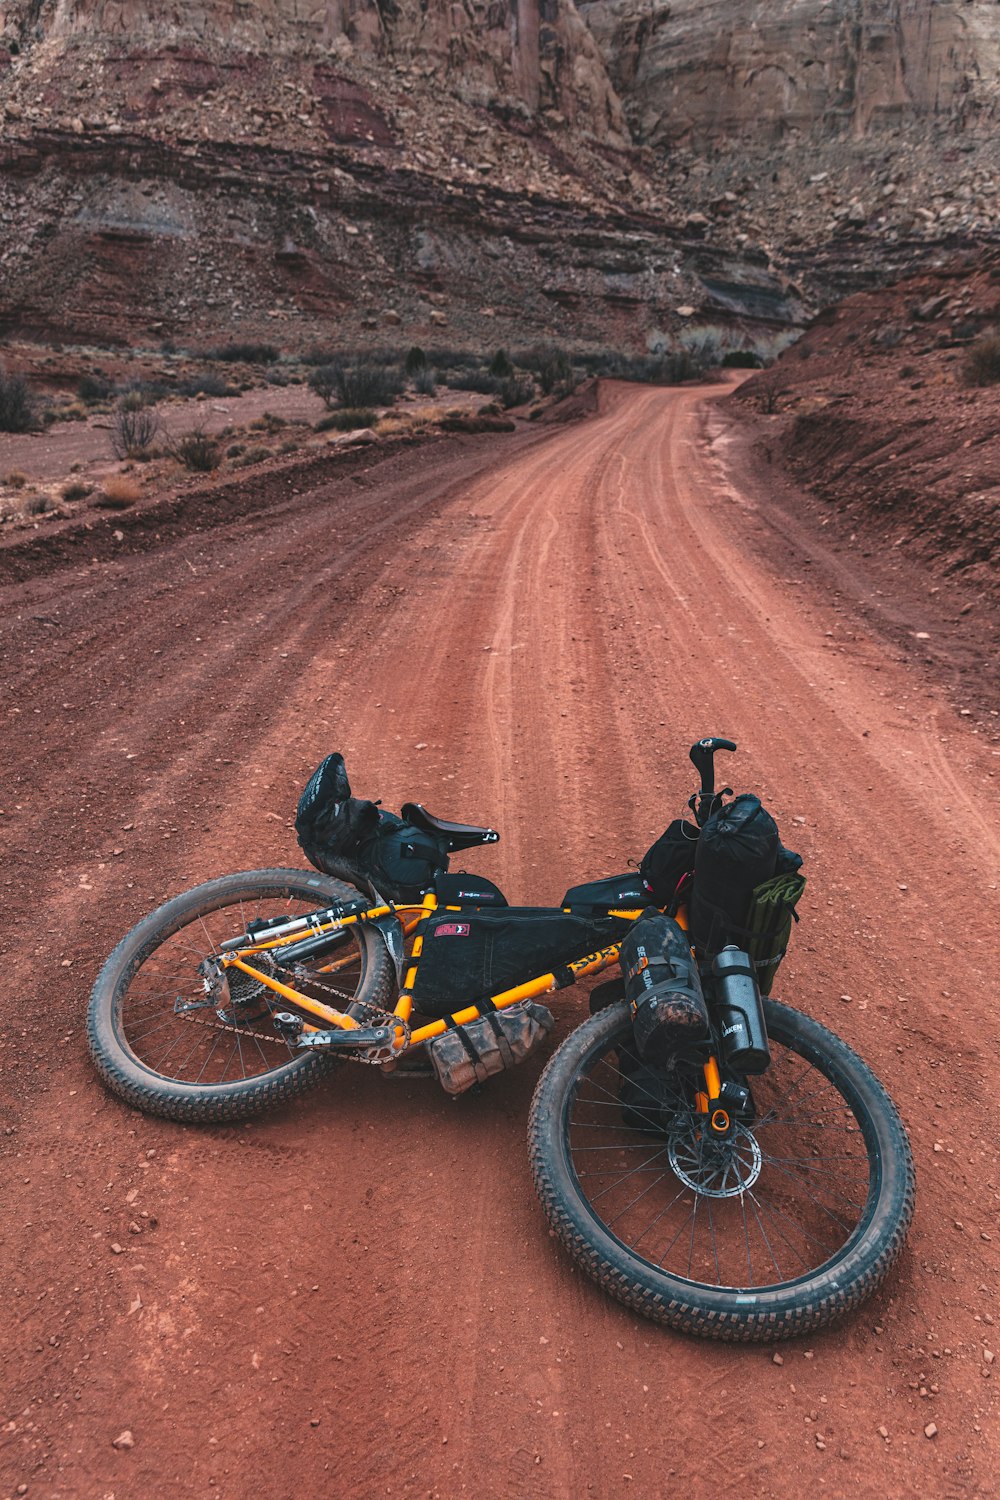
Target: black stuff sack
[
  {"x": 331, "y": 825},
  {"x": 357, "y": 840},
  {"x": 665, "y": 863},
  {"x": 663, "y": 988},
  {"x": 466, "y": 956},
  {"x": 737, "y": 851}
]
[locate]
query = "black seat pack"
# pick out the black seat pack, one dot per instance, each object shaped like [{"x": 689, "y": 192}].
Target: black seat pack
[
  {"x": 737, "y": 850},
  {"x": 356, "y": 840},
  {"x": 475, "y": 953}
]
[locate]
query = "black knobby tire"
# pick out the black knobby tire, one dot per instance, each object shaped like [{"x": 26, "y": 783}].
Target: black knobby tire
[
  {"x": 159, "y": 1044},
  {"x": 807, "y": 1236}
]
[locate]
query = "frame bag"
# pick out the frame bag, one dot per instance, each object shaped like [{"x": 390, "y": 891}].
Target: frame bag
[{"x": 468, "y": 956}]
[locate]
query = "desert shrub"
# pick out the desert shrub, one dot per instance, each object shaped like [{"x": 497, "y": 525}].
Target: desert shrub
[
  {"x": 18, "y": 412},
  {"x": 515, "y": 391},
  {"x": 251, "y": 457},
  {"x": 133, "y": 429},
  {"x": 347, "y": 419},
  {"x": 196, "y": 451},
  {"x": 93, "y": 389},
  {"x": 248, "y": 354},
  {"x": 268, "y": 421},
  {"x": 207, "y": 384},
  {"x": 139, "y": 393},
  {"x": 323, "y": 381},
  {"x": 119, "y": 492},
  {"x": 76, "y": 489},
  {"x": 361, "y": 383},
  {"x": 415, "y": 361},
  {"x": 769, "y": 393},
  {"x": 277, "y": 377},
  {"x": 40, "y": 505},
  {"x": 15, "y": 480},
  {"x": 500, "y": 365},
  {"x": 425, "y": 382},
  {"x": 73, "y": 411},
  {"x": 235, "y": 449},
  {"x": 982, "y": 362},
  {"x": 290, "y": 445},
  {"x": 480, "y": 381},
  {"x": 551, "y": 366}
]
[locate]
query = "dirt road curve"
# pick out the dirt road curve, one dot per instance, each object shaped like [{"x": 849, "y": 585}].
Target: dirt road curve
[{"x": 358, "y": 1296}]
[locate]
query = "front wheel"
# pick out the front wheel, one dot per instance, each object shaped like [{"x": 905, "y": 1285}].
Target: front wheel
[
  {"x": 791, "y": 1221},
  {"x": 165, "y": 1046}
]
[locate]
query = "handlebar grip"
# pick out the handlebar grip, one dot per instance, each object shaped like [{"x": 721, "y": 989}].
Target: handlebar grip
[{"x": 702, "y": 755}]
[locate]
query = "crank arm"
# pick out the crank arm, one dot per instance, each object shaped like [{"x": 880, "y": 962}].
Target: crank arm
[{"x": 370, "y": 1044}]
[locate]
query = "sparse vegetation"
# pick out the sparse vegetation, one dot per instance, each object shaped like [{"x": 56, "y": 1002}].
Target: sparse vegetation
[
  {"x": 76, "y": 489},
  {"x": 196, "y": 451},
  {"x": 18, "y": 412},
  {"x": 425, "y": 382},
  {"x": 94, "y": 389},
  {"x": 15, "y": 480},
  {"x": 133, "y": 428},
  {"x": 268, "y": 421},
  {"x": 119, "y": 492},
  {"x": 982, "y": 362},
  {"x": 415, "y": 361},
  {"x": 515, "y": 390},
  {"x": 249, "y": 354},
  {"x": 347, "y": 419},
  {"x": 40, "y": 505},
  {"x": 480, "y": 381},
  {"x": 361, "y": 383},
  {"x": 501, "y": 366}
]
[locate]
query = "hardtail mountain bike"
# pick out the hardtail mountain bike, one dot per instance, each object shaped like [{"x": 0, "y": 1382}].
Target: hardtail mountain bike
[{"x": 716, "y": 1160}]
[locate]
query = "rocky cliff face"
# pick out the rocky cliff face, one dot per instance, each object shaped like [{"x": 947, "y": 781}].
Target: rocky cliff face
[
  {"x": 467, "y": 170},
  {"x": 534, "y": 53},
  {"x": 703, "y": 72}
]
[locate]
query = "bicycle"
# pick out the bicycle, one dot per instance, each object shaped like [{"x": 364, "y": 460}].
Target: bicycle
[{"x": 731, "y": 1206}]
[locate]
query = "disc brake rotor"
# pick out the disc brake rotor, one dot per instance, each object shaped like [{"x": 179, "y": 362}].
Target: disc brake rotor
[{"x": 715, "y": 1168}]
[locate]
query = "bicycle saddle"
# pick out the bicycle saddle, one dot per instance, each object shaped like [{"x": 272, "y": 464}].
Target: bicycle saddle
[{"x": 458, "y": 835}]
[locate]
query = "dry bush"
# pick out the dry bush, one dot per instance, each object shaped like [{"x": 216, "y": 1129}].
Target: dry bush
[
  {"x": 76, "y": 489},
  {"x": 119, "y": 492},
  {"x": 982, "y": 363},
  {"x": 133, "y": 429},
  {"x": 15, "y": 480},
  {"x": 196, "y": 451}
]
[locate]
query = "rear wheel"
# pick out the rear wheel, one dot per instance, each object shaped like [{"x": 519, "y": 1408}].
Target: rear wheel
[
  {"x": 777, "y": 1229},
  {"x": 164, "y": 1045}
]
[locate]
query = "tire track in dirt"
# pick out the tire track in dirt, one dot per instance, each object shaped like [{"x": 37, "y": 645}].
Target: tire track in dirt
[{"x": 605, "y": 567}]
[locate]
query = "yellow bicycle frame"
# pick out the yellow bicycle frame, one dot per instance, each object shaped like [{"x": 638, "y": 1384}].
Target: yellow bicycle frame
[{"x": 410, "y": 917}]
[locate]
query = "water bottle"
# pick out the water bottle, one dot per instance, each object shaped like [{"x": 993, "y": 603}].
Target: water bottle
[{"x": 740, "y": 1011}]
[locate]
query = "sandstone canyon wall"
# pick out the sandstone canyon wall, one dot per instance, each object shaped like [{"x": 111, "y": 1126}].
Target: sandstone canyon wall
[
  {"x": 705, "y": 71},
  {"x": 537, "y": 53}
]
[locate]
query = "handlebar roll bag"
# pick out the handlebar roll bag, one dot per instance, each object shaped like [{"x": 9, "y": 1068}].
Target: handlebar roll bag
[
  {"x": 737, "y": 851},
  {"x": 662, "y": 987}
]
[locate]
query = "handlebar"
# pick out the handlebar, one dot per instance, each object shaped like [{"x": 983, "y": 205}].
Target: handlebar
[{"x": 703, "y": 756}]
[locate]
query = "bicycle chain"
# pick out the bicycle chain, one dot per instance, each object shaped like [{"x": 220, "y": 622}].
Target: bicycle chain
[{"x": 370, "y": 1015}]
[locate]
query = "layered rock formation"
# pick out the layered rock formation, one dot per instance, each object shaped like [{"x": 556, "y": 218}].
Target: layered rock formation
[
  {"x": 702, "y": 72},
  {"x": 536, "y": 53}
]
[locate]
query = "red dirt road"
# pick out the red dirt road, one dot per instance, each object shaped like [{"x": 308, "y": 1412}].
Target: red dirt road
[{"x": 357, "y": 1295}]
